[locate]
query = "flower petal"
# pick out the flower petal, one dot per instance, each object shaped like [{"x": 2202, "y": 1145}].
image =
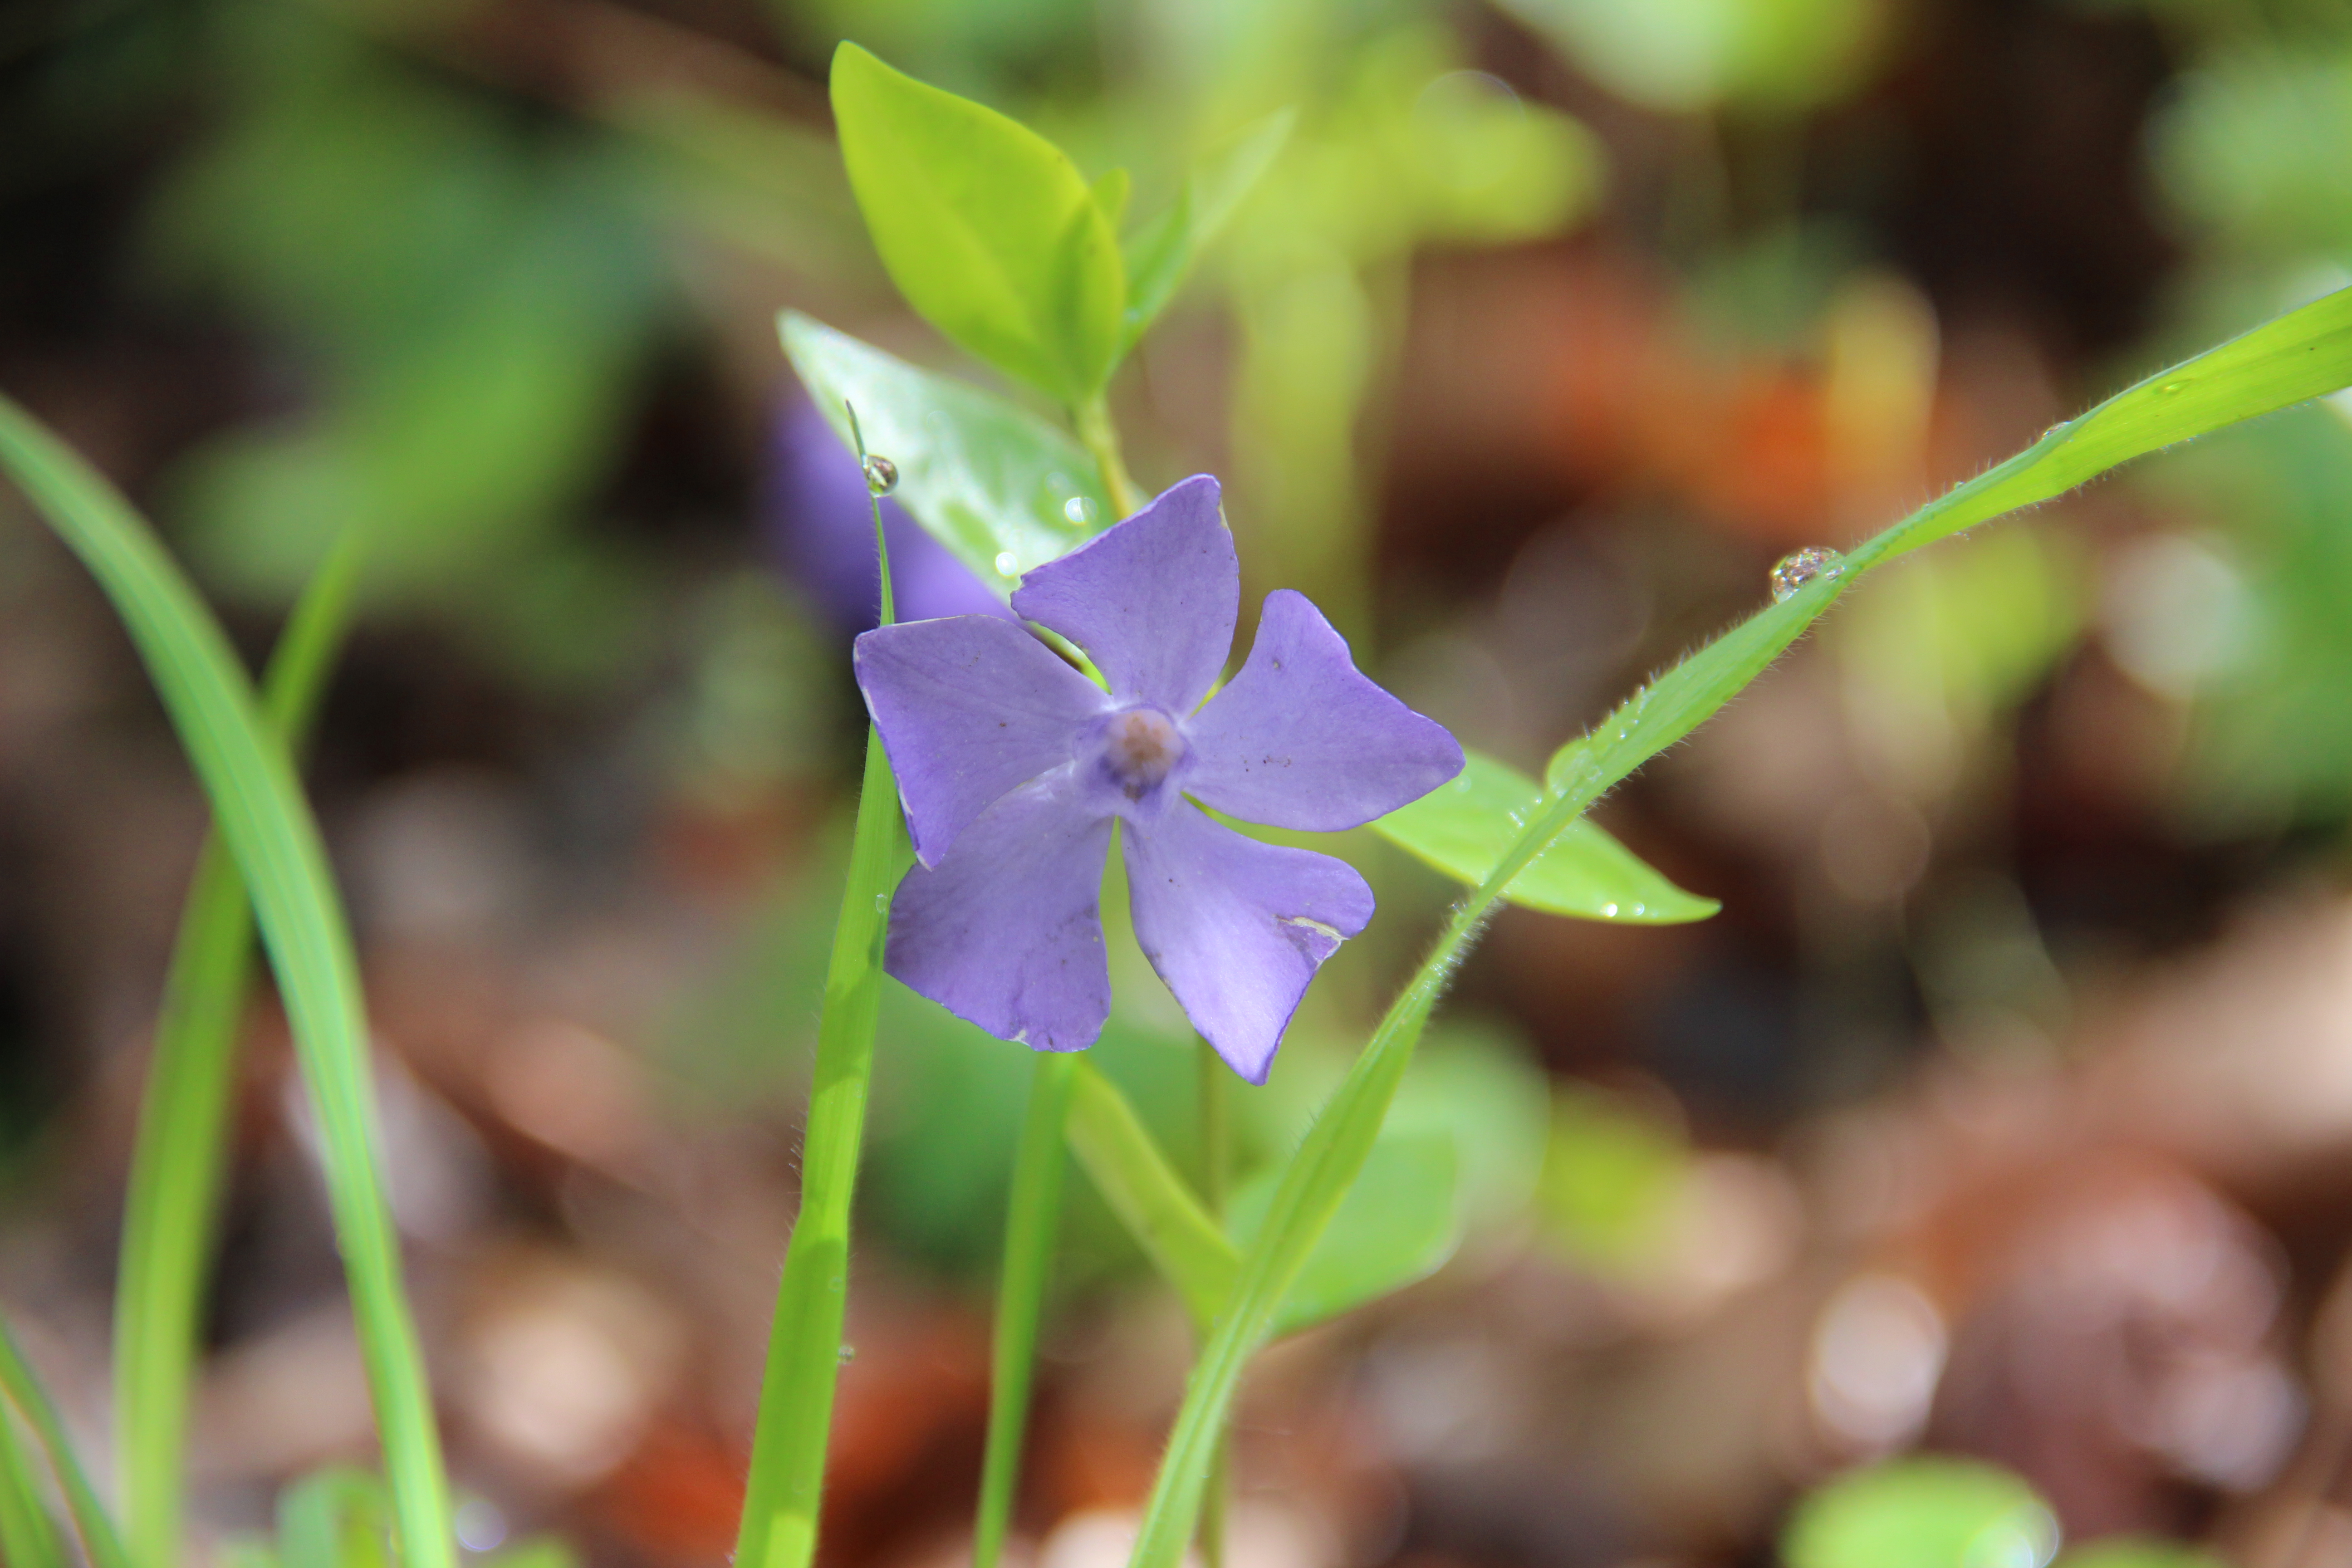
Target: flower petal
[
  {"x": 1006, "y": 930},
  {"x": 1301, "y": 739},
  {"x": 1237, "y": 927},
  {"x": 1153, "y": 600},
  {"x": 968, "y": 708}
]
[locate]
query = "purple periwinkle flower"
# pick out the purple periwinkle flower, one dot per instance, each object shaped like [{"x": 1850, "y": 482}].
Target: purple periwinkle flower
[{"x": 1014, "y": 767}]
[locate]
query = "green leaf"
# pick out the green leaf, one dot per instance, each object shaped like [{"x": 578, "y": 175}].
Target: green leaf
[
  {"x": 2138, "y": 1551},
  {"x": 261, "y": 814},
  {"x": 1163, "y": 251},
  {"x": 1463, "y": 826},
  {"x": 1922, "y": 1514},
  {"x": 997, "y": 485},
  {"x": 1399, "y": 1223},
  {"x": 987, "y": 228},
  {"x": 1142, "y": 1188},
  {"x": 795, "y": 1417}
]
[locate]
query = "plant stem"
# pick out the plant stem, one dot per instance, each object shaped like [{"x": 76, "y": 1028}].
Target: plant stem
[
  {"x": 1032, "y": 1218},
  {"x": 1100, "y": 438},
  {"x": 787, "y": 1481},
  {"x": 183, "y": 1123},
  {"x": 1216, "y": 1169}
]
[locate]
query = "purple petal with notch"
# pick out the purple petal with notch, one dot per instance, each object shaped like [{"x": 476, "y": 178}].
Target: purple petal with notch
[
  {"x": 1153, "y": 600},
  {"x": 1237, "y": 927},
  {"x": 969, "y": 709},
  {"x": 1006, "y": 930},
  {"x": 1301, "y": 739}
]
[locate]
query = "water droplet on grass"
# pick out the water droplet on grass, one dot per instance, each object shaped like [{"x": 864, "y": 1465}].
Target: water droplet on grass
[
  {"x": 1077, "y": 511},
  {"x": 1007, "y": 563},
  {"x": 1792, "y": 573},
  {"x": 881, "y": 474}
]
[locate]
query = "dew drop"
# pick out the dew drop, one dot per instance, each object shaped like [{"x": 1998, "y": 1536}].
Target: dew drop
[
  {"x": 1077, "y": 511},
  {"x": 1792, "y": 573},
  {"x": 2170, "y": 386},
  {"x": 1609, "y": 910},
  {"x": 882, "y": 903},
  {"x": 881, "y": 474},
  {"x": 1007, "y": 563},
  {"x": 848, "y": 1353}
]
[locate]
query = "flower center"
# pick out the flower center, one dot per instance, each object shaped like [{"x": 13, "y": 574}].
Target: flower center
[{"x": 1139, "y": 747}]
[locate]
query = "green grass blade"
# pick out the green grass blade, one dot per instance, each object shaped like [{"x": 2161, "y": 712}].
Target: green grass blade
[
  {"x": 99, "y": 1544},
  {"x": 260, "y": 811},
  {"x": 780, "y": 1505},
  {"x": 28, "y": 1537},
  {"x": 177, "y": 1163},
  {"x": 1142, "y": 1188},
  {"x": 786, "y": 1486},
  {"x": 2303, "y": 354},
  {"x": 1033, "y": 1218}
]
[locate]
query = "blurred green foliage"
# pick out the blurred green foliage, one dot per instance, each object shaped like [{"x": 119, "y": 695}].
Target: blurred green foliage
[{"x": 1922, "y": 1514}]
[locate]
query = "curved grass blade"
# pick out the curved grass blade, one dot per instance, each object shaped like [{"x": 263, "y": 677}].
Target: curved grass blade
[
  {"x": 2303, "y": 354},
  {"x": 28, "y": 1537},
  {"x": 99, "y": 1544},
  {"x": 176, "y": 1162},
  {"x": 258, "y": 807},
  {"x": 1034, "y": 1215},
  {"x": 787, "y": 1481}
]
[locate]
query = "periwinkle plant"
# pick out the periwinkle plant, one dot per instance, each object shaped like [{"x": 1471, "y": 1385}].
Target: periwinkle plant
[{"x": 1014, "y": 766}]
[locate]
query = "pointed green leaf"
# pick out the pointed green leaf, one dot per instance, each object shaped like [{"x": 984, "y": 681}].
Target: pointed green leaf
[
  {"x": 1921, "y": 1513},
  {"x": 1463, "y": 826},
  {"x": 996, "y": 485},
  {"x": 1398, "y": 1224},
  {"x": 987, "y": 228},
  {"x": 1163, "y": 251}
]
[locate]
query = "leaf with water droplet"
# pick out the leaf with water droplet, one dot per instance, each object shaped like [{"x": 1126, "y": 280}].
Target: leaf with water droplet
[
  {"x": 881, "y": 474},
  {"x": 986, "y": 478},
  {"x": 1586, "y": 873}
]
